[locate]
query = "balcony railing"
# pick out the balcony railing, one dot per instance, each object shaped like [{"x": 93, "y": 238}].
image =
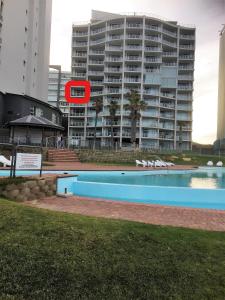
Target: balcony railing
[
  {"x": 153, "y": 60},
  {"x": 96, "y": 62},
  {"x": 115, "y": 26},
  {"x": 186, "y": 57},
  {"x": 187, "y": 36},
  {"x": 134, "y": 25},
  {"x": 113, "y": 80},
  {"x": 133, "y": 47},
  {"x": 132, "y": 69},
  {"x": 185, "y": 77},
  {"x": 167, "y": 95},
  {"x": 132, "y": 58},
  {"x": 132, "y": 80},
  {"x": 169, "y": 43},
  {"x": 114, "y": 37},
  {"x": 97, "y": 41},
  {"x": 169, "y": 54},
  {"x": 96, "y": 52},
  {"x": 153, "y": 38},
  {"x": 134, "y": 36},
  {"x": 184, "y": 87},
  {"x": 153, "y": 49},
  {"x": 79, "y": 44},
  {"x": 80, "y": 33},
  {"x": 114, "y": 48},
  {"x": 80, "y": 54},
  {"x": 174, "y": 34},
  {"x": 113, "y": 70},
  {"x": 99, "y": 30},
  {"x": 186, "y": 67},
  {"x": 188, "y": 47},
  {"x": 96, "y": 73},
  {"x": 153, "y": 27},
  {"x": 114, "y": 58}
]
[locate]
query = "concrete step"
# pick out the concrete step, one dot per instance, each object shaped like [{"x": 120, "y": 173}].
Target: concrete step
[{"x": 62, "y": 155}]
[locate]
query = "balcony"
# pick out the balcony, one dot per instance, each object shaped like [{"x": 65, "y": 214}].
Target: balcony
[
  {"x": 95, "y": 42},
  {"x": 153, "y": 60},
  {"x": 169, "y": 54},
  {"x": 153, "y": 38},
  {"x": 166, "y": 126},
  {"x": 96, "y": 62},
  {"x": 170, "y": 64},
  {"x": 167, "y": 105},
  {"x": 114, "y": 58},
  {"x": 186, "y": 57},
  {"x": 182, "y": 117},
  {"x": 76, "y": 124},
  {"x": 113, "y": 48},
  {"x": 98, "y": 30},
  {"x": 77, "y": 74},
  {"x": 113, "y": 70},
  {"x": 151, "y": 92},
  {"x": 152, "y": 49},
  {"x": 115, "y": 26},
  {"x": 187, "y": 36},
  {"x": 152, "y": 70},
  {"x": 166, "y": 116},
  {"x": 113, "y": 80},
  {"x": 150, "y": 135},
  {"x": 97, "y": 73},
  {"x": 185, "y": 77},
  {"x": 185, "y": 87},
  {"x": 133, "y": 58},
  {"x": 134, "y": 25},
  {"x": 167, "y": 95},
  {"x": 96, "y": 93},
  {"x": 133, "y": 47},
  {"x": 184, "y": 128},
  {"x": 113, "y": 91},
  {"x": 96, "y": 52},
  {"x": 80, "y": 44},
  {"x": 184, "y": 107},
  {"x": 187, "y": 47},
  {"x": 114, "y": 37},
  {"x": 80, "y": 54},
  {"x": 132, "y": 69},
  {"x": 80, "y": 65},
  {"x": 96, "y": 82},
  {"x": 186, "y": 67},
  {"x": 184, "y": 97},
  {"x": 168, "y": 43},
  {"x": 77, "y": 114},
  {"x": 153, "y": 27},
  {"x": 80, "y": 33},
  {"x": 168, "y": 32},
  {"x": 132, "y": 80},
  {"x": 134, "y": 36},
  {"x": 166, "y": 136}
]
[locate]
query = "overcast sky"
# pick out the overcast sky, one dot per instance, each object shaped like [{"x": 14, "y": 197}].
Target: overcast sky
[{"x": 208, "y": 17}]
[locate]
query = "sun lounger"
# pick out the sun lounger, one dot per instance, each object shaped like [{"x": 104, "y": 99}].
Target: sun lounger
[
  {"x": 219, "y": 164},
  {"x": 209, "y": 163},
  {"x": 4, "y": 161},
  {"x": 139, "y": 163}
]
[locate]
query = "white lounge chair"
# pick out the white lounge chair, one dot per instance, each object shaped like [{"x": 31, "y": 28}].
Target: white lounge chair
[
  {"x": 219, "y": 164},
  {"x": 5, "y": 161},
  {"x": 145, "y": 163},
  {"x": 150, "y": 163},
  {"x": 139, "y": 163},
  {"x": 159, "y": 164},
  {"x": 209, "y": 163}
]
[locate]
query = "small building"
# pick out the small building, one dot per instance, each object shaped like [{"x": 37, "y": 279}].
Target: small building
[{"x": 29, "y": 121}]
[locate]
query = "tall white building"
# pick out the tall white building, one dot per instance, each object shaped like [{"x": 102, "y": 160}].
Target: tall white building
[
  {"x": 25, "y": 27},
  {"x": 53, "y": 81},
  {"x": 118, "y": 53}
]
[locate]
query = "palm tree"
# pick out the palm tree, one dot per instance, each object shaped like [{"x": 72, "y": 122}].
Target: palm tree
[
  {"x": 98, "y": 104},
  {"x": 135, "y": 106},
  {"x": 113, "y": 107}
]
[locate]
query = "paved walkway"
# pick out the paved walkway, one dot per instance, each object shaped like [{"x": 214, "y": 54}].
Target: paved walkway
[
  {"x": 100, "y": 167},
  {"x": 152, "y": 214}
]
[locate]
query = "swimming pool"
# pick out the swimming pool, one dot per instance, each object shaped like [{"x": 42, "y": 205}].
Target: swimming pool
[{"x": 200, "y": 188}]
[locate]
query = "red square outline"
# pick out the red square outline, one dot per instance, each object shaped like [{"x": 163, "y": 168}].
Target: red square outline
[{"x": 81, "y": 83}]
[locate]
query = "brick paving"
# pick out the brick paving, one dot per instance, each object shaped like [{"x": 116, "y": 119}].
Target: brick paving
[
  {"x": 213, "y": 220},
  {"x": 100, "y": 167}
]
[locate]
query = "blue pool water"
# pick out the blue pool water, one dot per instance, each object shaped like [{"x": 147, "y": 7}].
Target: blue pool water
[{"x": 200, "y": 188}]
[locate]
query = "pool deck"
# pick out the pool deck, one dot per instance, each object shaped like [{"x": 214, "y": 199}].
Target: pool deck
[
  {"x": 78, "y": 166},
  {"x": 213, "y": 220}
]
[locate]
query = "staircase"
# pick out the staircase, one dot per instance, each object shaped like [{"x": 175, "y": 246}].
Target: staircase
[{"x": 66, "y": 155}]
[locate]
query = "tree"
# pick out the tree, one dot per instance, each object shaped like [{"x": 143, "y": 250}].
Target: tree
[
  {"x": 135, "y": 106},
  {"x": 113, "y": 107},
  {"x": 98, "y": 105}
]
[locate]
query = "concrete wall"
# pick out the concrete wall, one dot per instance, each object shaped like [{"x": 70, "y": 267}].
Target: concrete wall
[
  {"x": 221, "y": 92},
  {"x": 1, "y": 109},
  {"x": 25, "y": 47}
]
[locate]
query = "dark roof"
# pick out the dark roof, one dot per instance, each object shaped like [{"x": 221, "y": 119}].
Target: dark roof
[
  {"x": 36, "y": 100},
  {"x": 34, "y": 121}
]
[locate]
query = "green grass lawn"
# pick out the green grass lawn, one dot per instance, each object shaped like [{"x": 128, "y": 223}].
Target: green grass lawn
[{"x": 50, "y": 255}]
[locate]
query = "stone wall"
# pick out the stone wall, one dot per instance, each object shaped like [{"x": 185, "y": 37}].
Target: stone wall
[{"x": 32, "y": 189}]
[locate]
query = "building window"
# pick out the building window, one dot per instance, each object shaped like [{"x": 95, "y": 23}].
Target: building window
[
  {"x": 32, "y": 110},
  {"x": 54, "y": 118},
  {"x": 38, "y": 112}
]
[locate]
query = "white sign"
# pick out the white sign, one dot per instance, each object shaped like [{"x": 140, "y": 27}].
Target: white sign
[{"x": 26, "y": 161}]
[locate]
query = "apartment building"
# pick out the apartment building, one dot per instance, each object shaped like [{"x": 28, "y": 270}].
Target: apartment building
[
  {"x": 24, "y": 47},
  {"x": 53, "y": 80},
  {"x": 221, "y": 91},
  {"x": 118, "y": 53}
]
